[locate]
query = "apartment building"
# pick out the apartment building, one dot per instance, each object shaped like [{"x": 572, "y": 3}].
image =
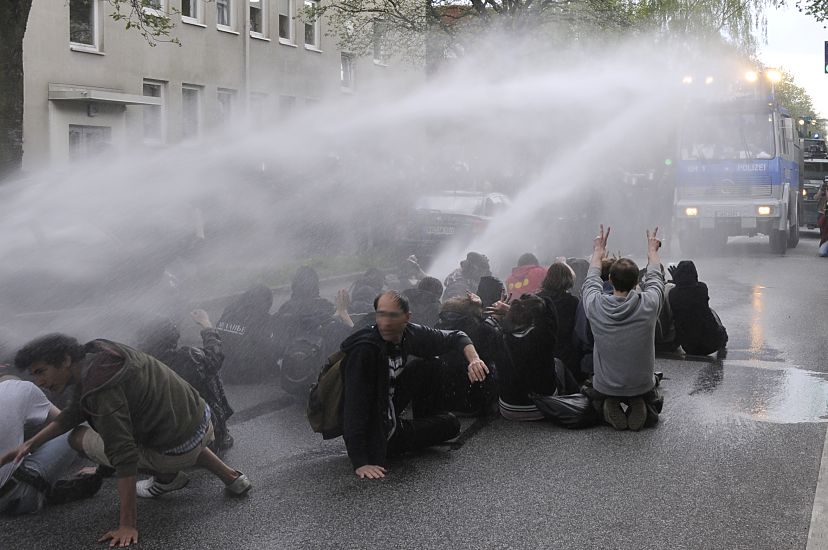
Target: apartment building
[{"x": 91, "y": 85}]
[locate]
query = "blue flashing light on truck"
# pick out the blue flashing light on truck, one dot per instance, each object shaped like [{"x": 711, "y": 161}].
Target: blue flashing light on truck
[{"x": 737, "y": 173}]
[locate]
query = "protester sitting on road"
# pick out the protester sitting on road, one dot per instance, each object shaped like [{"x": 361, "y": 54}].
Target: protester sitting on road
[
  {"x": 665, "y": 333},
  {"x": 699, "y": 331},
  {"x": 246, "y": 332},
  {"x": 460, "y": 395},
  {"x": 527, "y": 365},
  {"x": 623, "y": 325},
  {"x": 490, "y": 290},
  {"x": 199, "y": 367},
  {"x": 527, "y": 277},
  {"x": 425, "y": 301},
  {"x": 409, "y": 274},
  {"x": 584, "y": 341},
  {"x": 555, "y": 289},
  {"x": 305, "y": 312},
  {"x": 580, "y": 267},
  {"x": 39, "y": 479},
  {"x": 467, "y": 277},
  {"x": 380, "y": 383},
  {"x": 142, "y": 416}
]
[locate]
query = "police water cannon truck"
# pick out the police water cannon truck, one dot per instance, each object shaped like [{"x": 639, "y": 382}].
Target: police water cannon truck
[{"x": 737, "y": 170}]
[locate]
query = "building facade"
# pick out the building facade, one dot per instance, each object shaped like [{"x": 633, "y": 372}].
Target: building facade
[{"x": 91, "y": 85}]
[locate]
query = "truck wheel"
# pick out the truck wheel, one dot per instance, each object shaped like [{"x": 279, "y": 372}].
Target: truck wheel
[
  {"x": 778, "y": 241},
  {"x": 793, "y": 236}
]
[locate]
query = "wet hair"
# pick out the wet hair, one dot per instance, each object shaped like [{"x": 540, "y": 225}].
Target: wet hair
[
  {"x": 475, "y": 261},
  {"x": 373, "y": 278},
  {"x": 158, "y": 336},
  {"x": 398, "y": 298},
  {"x": 623, "y": 275},
  {"x": 305, "y": 283},
  {"x": 432, "y": 285},
  {"x": 526, "y": 311},
  {"x": 50, "y": 349},
  {"x": 528, "y": 259},
  {"x": 606, "y": 265},
  {"x": 559, "y": 278},
  {"x": 463, "y": 305}
]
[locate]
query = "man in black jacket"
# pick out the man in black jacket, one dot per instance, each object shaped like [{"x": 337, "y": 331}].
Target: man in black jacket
[{"x": 380, "y": 383}]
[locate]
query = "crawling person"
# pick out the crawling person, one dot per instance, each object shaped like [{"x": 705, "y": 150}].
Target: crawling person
[{"x": 142, "y": 415}]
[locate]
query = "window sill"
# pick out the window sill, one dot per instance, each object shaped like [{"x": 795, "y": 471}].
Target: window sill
[
  {"x": 85, "y": 49},
  {"x": 286, "y": 42},
  {"x": 311, "y": 48},
  {"x": 193, "y": 22},
  {"x": 261, "y": 37},
  {"x": 228, "y": 30}
]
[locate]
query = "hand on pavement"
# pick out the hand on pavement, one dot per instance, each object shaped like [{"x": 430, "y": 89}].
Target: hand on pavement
[
  {"x": 370, "y": 471},
  {"x": 122, "y": 536}
]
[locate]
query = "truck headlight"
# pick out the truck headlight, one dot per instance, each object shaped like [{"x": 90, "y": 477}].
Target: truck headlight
[
  {"x": 804, "y": 192},
  {"x": 691, "y": 211},
  {"x": 763, "y": 210}
]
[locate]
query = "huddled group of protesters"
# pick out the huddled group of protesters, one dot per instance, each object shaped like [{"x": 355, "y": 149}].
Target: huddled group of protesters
[{"x": 417, "y": 353}]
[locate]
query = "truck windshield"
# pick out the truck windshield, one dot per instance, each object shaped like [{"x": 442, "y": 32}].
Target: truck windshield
[{"x": 728, "y": 136}]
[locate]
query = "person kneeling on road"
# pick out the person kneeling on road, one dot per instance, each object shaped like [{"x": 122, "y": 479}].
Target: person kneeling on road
[
  {"x": 623, "y": 325},
  {"x": 380, "y": 382},
  {"x": 143, "y": 416}
]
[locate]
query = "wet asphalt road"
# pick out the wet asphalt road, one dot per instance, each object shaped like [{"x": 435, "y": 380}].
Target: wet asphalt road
[{"x": 733, "y": 463}]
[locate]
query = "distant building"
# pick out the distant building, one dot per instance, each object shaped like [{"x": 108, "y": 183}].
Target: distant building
[{"x": 91, "y": 85}]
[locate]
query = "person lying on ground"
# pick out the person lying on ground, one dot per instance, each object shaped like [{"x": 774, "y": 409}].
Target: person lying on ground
[
  {"x": 623, "y": 325},
  {"x": 142, "y": 415},
  {"x": 380, "y": 383},
  {"x": 40, "y": 477}
]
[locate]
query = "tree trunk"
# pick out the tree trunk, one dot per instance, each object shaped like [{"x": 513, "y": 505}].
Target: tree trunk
[{"x": 14, "y": 15}]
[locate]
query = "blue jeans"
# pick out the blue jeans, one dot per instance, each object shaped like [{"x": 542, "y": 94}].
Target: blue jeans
[{"x": 52, "y": 462}]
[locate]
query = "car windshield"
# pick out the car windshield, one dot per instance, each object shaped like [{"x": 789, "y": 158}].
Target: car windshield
[
  {"x": 728, "y": 136},
  {"x": 460, "y": 204}
]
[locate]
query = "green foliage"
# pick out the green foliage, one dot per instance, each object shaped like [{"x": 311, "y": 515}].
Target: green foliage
[
  {"x": 818, "y": 9},
  {"x": 796, "y": 99},
  {"x": 144, "y": 17}
]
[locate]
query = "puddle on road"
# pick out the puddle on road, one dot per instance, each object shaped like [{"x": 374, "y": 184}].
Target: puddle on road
[{"x": 764, "y": 391}]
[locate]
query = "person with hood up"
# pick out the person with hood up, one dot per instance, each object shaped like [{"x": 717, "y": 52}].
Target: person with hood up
[
  {"x": 467, "y": 277},
  {"x": 305, "y": 312},
  {"x": 699, "y": 331},
  {"x": 246, "y": 332},
  {"x": 425, "y": 301},
  {"x": 142, "y": 416},
  {"x": 199, "y": 367},
  {"x": 379, "y": 383},
  {"x": 623, "y": 325},
  {"x": 490, "y": 290},
  {"x": 527, "y": 277}
]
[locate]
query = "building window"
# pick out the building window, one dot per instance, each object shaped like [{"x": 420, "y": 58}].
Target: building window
[
  {"x": 312, "y": 27},
  {"x": 154, "y": 7},
  {"x": 380, "y": 43},
  {"x": 347, "y": 71},
  {"x": 286, "y": 21},
  {"x": 190, "y": 111},
  {"x": 224, "y": 13},
  {"x": 88, "y": 141},
  {"x": 191, "y": 10},
  {"x": 154, "y": 122},
  {"x": 225, "y": 99},
  {"x": 83, "y": 23},
  {"x": 258, "y": 18}
]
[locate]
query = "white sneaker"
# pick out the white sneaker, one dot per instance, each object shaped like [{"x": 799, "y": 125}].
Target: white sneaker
[
  {"x": 150, "y": 488},
  {"x": 238, "y": 486}
]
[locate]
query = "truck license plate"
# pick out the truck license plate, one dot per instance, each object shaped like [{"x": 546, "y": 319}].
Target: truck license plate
[{"x": 727, "y": 213}]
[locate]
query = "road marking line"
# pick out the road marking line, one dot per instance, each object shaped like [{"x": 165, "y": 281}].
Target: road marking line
[{"x": 818, "y": 531}]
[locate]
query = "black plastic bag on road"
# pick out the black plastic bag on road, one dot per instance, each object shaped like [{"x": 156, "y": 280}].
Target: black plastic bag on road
[{"x": 570, "y": 411}]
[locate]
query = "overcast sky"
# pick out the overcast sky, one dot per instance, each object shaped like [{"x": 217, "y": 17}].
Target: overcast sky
[{"x": 796, "y": 43}]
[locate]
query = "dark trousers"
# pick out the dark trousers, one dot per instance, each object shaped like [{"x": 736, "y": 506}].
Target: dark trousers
[
  {"x": 653, "y": 399},
  {"x": 419, "y": 386}
]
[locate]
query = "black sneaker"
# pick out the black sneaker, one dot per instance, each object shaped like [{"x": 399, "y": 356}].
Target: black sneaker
[
  {"x": 613, "y": 413},
  {"x": 75, "y": 488},
  {"x": 636, "y": 414}
]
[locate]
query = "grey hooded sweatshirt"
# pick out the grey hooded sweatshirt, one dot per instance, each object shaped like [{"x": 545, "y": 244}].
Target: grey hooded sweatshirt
[{"x": 624, "y": 330}]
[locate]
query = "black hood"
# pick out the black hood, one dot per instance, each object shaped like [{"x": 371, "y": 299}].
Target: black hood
[
  {"x": 685, "y": 273},
  {"x": 420, "y": 296},
  {"x": 305, "y": 283},
  {"x": 490, "y": 290},
  {"x": 256, "y": 301},
  {"x": 367, "y": 335}
]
